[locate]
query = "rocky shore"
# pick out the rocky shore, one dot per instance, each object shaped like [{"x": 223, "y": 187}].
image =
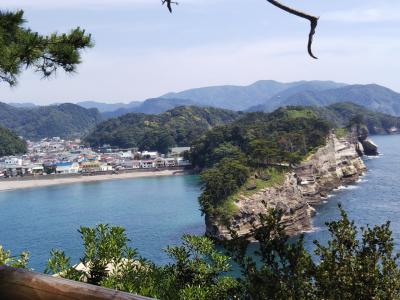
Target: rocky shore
[{"x": 335, "y": 164}]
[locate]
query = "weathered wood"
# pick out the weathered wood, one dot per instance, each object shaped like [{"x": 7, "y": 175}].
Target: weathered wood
[{"x": 23, "y": 285}]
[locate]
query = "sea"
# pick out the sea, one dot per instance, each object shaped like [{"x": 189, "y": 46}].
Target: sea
[{"x": 157, "y": 211}]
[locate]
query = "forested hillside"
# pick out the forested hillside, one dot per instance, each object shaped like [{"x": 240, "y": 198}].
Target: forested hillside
[
  {"x": 64, "y": 120},
  {"x": 149, "y": 106},
  {"x": 341, "y": 114},
  {"x": 10, "y": 143},
  {"x": 256, "y": 146},
  {"x": 176, "y": 127}
]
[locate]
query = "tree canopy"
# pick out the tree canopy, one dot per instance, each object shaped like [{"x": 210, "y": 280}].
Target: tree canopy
[{"x": 22, "y": 48}]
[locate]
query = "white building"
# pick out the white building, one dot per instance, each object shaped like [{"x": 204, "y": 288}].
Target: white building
[
  {"x": 67, "y": 168},
  {"x": 147, "y": 164},
  {"x": 149, "y": 155}
]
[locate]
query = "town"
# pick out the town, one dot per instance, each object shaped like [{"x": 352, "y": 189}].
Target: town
[{"x": 58, "y": 156}]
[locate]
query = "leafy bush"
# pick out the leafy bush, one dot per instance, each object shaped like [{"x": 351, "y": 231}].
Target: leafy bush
[{"x": 353, "y": 264}]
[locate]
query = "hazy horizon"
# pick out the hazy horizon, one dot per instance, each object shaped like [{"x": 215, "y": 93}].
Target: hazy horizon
[{"x": 141, "y": 51}]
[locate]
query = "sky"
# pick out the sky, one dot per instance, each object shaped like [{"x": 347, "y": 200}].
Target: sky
[{"x": 142, "y": 51}]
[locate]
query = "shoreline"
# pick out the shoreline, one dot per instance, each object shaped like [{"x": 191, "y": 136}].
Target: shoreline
[{"x": 11, "y": 185}]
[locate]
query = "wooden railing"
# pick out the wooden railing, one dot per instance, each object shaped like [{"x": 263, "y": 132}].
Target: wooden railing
[{"x": 19, "y": 284}]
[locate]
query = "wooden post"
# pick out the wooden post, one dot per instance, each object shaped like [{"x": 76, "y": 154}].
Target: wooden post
[{"x": 19, "y": 284}]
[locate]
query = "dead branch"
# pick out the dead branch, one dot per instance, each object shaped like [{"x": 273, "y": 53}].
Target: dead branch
[
  {"x": 313, "y": 22},
  {"x": 169, "y": 4}
]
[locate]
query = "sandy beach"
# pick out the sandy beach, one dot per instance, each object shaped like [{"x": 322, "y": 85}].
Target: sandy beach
[{"x": 8, "y": 185}]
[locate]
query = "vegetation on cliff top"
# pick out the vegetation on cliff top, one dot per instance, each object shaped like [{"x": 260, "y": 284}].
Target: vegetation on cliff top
[
  {"x": 10, "y": 143},
  {"x": 176, "y": 127},
  {"x": 243, "y": 153}
]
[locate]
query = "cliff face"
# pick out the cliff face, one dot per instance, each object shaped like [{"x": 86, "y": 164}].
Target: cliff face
[{"x": 335, "y": 164}]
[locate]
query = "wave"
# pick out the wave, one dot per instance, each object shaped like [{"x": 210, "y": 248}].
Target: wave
[{"x": 312, "y": 230}]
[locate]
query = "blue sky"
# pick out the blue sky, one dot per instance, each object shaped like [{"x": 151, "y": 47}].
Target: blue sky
[{"x": 142, "y": 51}]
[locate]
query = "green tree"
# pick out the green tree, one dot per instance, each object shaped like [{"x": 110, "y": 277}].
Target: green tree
[
  {"x": 22, "y": 48},
  {"x": 7, "y": 259}
]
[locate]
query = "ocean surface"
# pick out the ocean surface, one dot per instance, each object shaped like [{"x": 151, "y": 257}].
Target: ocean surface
[
  {"x": 374, "y": 200},
  {"x": 157, "y": 211}
]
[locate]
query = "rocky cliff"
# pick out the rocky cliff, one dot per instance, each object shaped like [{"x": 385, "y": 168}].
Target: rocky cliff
[{"x": 337, "y": 163}]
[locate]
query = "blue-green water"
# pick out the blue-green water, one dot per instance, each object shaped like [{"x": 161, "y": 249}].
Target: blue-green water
[
  {"x": 157, "y": 211},
  {"x": 374, "y": 200}
]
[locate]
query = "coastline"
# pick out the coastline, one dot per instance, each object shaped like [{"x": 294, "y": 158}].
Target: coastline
[{"x": 10, "y": 185}]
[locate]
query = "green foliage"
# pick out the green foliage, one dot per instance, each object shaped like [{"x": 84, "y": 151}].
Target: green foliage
[
  {"x": 279, "y": 269},
  {"x": 22, "y": 48},
  {"x": 64, "y": 120},
  {"x": 176, "y": 127},
  {"x": 20, "y": 261},
  {"x": 351, "y": 265},
  {"x": 105, "y": 247},
  {"x": 345, "y": 268},
  {"x": 221, "y": 181},
  {"x": 345, "y": 114},
  {"x": 10, "y": 143},
  {"x": 357, "y": 269},
  {"x": 196, "y": 270},
  {"x": 231, "y": 155}
]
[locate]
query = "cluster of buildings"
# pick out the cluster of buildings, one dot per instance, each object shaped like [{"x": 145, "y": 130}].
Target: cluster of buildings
[{"x": 58, "y": 156}]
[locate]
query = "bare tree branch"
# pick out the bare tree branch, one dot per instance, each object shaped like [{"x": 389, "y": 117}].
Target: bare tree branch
[
  {"x": 169, "y": 4},
  {"x": 313, "y": 22}
]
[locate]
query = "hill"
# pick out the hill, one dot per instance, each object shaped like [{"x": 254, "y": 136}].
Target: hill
[
  {"x": 342, "y": 114},
  {"x": 150, "y": 106},
  {"x": 243, "y": 97},
  {"x": 176, "y": 127},
  {"x": 371, "y": 96},
  {"x": 107, "y": 107},
  {"x": 10, "y": 143},
  {"x": 64, "y": 120},
  {"x": 255, "y": 146}
]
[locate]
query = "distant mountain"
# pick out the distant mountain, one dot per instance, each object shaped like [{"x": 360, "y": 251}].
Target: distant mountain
[
  {"x": 371, "y": 96},
  {"x": 10, "y": 143},
  {"x": 150, "y": 106},
  {"x": 176, "y": 127},
  {"x": 108, "y": 107},
  {"x": 280, "y": 98},
  {"x": 243, "y": 97},
  {"x": 63, "y": 120},
  {"x": 23, "y": 104}
]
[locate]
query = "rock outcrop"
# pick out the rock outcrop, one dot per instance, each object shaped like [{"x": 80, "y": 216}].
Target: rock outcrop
[
  {"x": 365, "y": 145},
  {"x": 337, "y": 163}
]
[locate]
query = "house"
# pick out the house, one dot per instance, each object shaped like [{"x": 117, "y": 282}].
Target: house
[
  {"x": 37, "y": 169},
  {"x": 126, "y": 154},
  {"x": 149, "y": 155},
  {"x": 159, "y": 162},
  {"x": 147, "y": 164},
  {"x": 178, "y": 151},
  {"x": 90, "y": 166},
  {"x": 105, "y": 167},
  {"x": 182, "y": 162},
  {"x": 13, "y": 161},
  {"x": 136, "y": 164},
  {"x": 170, "y": 162},
  {"x": 67, "y": 168}
]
